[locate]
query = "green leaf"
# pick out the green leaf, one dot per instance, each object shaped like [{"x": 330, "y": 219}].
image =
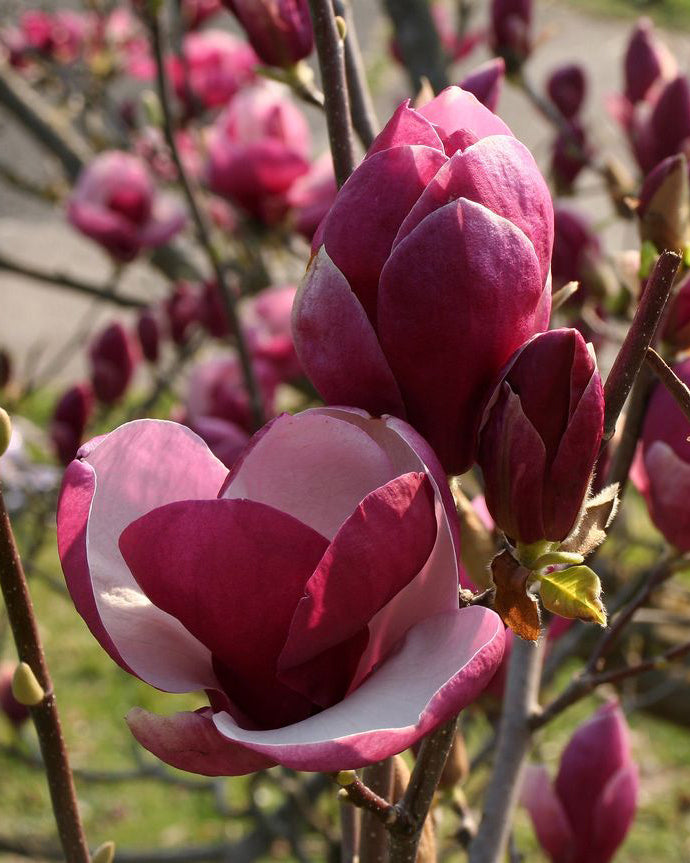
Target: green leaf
[{"x": 574, "y": 593}]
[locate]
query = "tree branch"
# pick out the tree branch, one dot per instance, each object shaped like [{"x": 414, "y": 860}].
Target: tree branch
[
  {"x": 514, "y": 737},
  {"x": 642, "y": 329},
  {"x": 419, "y": 42},
  {"x": 331, "y": 54},
  {"x": 361, "y": 104},
  {"x": 679, "y": 391},
  {"x": 45, "y": 716}
]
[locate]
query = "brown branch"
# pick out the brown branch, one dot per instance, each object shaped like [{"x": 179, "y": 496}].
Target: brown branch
[
  {"x": 419, "y": 42},
  {"x": 373, "y": 847},
  {"x": 104, "y": 293},
  {"x": 679, "y": 391},
  {"x": 361, "y": 104},
  {"x": 642, "y": 329},
  {"x": 413, "y": 807},
  {"x": 331, "y": 54},
  {"x": 45, "y": 716},
  {"x": 360, "y": 795},
  {"x": 203, "y": 231}
]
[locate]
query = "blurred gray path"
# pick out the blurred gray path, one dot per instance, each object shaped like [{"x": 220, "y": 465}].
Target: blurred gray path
[{"x": 40, "y": 318}]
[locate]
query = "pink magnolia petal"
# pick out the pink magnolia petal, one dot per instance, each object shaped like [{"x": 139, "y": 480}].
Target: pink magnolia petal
[
  {"x": 455, "y": 109},
  {"x": 550, "y": 821},
  {"x": 406, "y": 126},
  {"x": 501, "y": 174},
  {"x": 164, "y": 462},
  {"x": 431, "y": 303},
  {"x": 219, "y": 566},
  {"x": 191, "y": 742},
  {"x": 668, "y": 483},
  {"x": 167, "y": 219},
  {"x": 372, "y": 205},
  {"x": 337, "y": 345},
  {"x": 296, "y": 458},
  {"x": 614, "y": 813},
  {"x": 441, "y": 666},
  {"x": 375, "y": 554}
]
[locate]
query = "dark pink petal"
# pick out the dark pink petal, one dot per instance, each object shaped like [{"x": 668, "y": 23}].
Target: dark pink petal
[
  {"x": 486, "y": 82},
  {"x": 337, "y": 345},
  {"x": 107, "y": 227},
  {"x": 614, "y": 813},
  {"x": 550, "y": 821},
  {"x": 455, "y": 109},
  {"x": 164, "y": 462},
  {"x": 668, "y": 478},
  {"x": 375, "y": 554},
  {"x": 441, "y": 666},
  {"x": 233, "y": 572},
  {"x": 191, "y": 742},
  {"x": 289, "y": 465},
  {"x": 369, "y": 210},
  {"x": 406, "y": 126},
  {"x": 434, "y": 304},
  {"x": 501, "y": 174}
]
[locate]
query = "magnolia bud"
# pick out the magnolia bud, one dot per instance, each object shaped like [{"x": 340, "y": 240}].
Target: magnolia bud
[
  {"x": 16, "y": 712},
  {"x": 486, "y": 82},
  {"x": 104, "y": 853},
  {"x": 25, "y": 687},
  {"x": 149, "y": 332},
  {"x": 279, "y": 31},
  {"x": 664, "y": 206},
  {"x": 646, "y": 60},
  {"x": 567, "y": 87}
]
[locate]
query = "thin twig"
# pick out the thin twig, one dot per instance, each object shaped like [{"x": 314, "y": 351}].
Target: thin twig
[
  {"x": 413, "y": 807},
  {"x": 203, "y": 231},
  {"x": 331, "y": 54},
  {"x": 514, "y": 738},
  {"x": 360, "y": 795},
  {"x": 679, "y": 390},
  {"x": 45, "y": 716},
  {"x": 642, "y": 329},
  {"x": 361, "y": 104},
  {"x": 624, "y": 452},
  {"x": 104, "y": 293}
]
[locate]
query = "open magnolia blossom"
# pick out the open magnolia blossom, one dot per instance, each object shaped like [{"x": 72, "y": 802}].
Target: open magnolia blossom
[{"x": 312, "y": 591}]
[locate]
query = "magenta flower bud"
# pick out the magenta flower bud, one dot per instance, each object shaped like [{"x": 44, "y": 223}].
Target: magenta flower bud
[
  {"x": 664, "y": 205},
  {"x": 279, "y": 30},
  {"x": 540, "y": 437},
  {"x": 266, "y": 321},
  {"x": 577, "y": 253},
  {"x": 569, "y": 156},
  {"x": 662, "y": 469},
  {"x": 72, "y": 413},
  {"x": 183, "y": 309},
  {"x": 257, "y": 148},
  {"x": 16, "y": 713},
  {"x": 387, "y": 318},
  {"x": 647, "y": 60},
  {"x": 149, "y": 332},
  {"x": 666, "y": 130},
  {"x": 584, "y": 816},
  {"x": 486, "y": 82},
  {"x": 323, "y": 512},
  {"x": 116, "y": 204},
  {"x": 511, "y": 31},
  {"x": 311, "y": 196},
  {"x": 676, "y": 323},
  {"x": 567, "y": 87},
  {"x": 113, "y": 360},
  {"x": 214, "y": 67}
]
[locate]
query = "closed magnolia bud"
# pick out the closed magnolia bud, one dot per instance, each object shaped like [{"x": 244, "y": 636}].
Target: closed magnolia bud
[
  {"x": 149, "y": 332},
  {"x": 71, "y": 414},
  {"x": 664, "y": 205},
  {"x": 566, "y": 88},
  {"x": 662, "y": 469},
  {"x": 540, "y": 437},
  {"x": 486, "y": 82},
  {"x": 183, "y": 309},
  {"x": 666, "y": 130},
  {"x": 113, "y": 361},
  {"x": 570, "y": 154},
  {"x": 16, "y": 712},
  {"x": 577, "y": 255},
  {"x": 279, "y": 31},
  {"x": 586, "y": 813},
  {"x": 510, "y": 31},
  {"x": 646, "y": 60}
]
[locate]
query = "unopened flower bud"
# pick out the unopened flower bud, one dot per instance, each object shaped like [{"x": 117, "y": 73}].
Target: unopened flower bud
[
  {"x": 149, "y": 332},
  {"x": 510, "y": 31},
  {"x": 16, "y": 713},
  {"x": 25, "y": 687},
  {"x": 646, "y": 60},
  {"x": 279, "y": 31},
  {"x": 346, "y": 777},
  {"x": 341, "y": 24},
  {"x": 567, "y": 87},
  {"x": 486, "y": 82},
  {"x": 104, "y": 853},
  {"x": 664, "y": 205}
]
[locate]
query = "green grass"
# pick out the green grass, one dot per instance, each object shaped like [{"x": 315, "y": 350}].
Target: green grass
[{"x": 666, "y": 13}]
